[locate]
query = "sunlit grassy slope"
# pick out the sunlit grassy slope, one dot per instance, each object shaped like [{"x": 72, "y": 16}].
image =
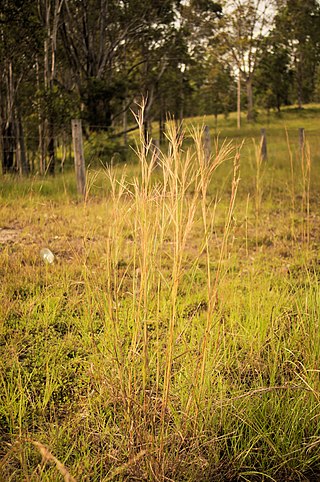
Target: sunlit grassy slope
[{"x": 176, "y": 335}]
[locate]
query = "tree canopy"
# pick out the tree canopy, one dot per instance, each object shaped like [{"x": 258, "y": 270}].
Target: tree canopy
[{"x": 95, "y": 59}]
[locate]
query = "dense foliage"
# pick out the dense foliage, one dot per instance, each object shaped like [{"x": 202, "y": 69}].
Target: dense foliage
[{"x": 97, "y": 59}]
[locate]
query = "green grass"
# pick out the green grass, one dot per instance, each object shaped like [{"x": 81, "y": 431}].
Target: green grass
[{"x": 176, "y": 335}]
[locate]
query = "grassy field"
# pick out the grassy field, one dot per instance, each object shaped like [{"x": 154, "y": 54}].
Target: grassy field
[{"x": 175, "y": 337}]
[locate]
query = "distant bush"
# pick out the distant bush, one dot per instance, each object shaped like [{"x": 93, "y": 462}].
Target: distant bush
[{"x": 100, "y": 148}]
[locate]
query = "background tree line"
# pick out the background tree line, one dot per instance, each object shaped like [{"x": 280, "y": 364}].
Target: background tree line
[{"x": 96, "y": 59}]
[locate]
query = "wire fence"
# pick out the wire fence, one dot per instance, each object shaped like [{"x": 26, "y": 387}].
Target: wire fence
[{"x": 30, "y": 152}]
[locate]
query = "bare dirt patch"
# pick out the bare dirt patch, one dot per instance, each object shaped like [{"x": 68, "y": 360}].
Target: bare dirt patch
[{"x": 8, "y": 235}]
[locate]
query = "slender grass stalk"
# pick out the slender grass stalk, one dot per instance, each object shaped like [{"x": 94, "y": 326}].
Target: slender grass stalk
[
  {"x": 179, "y": 175},
  {"x": 292, "y": 189},
  {"x": 258, "y": 185},
  {"x": 206, "y": 170},
  {"x": 246, "y": 224},
  {"x": 213, "y": 293},
  {"x": 306, "y": 178}
]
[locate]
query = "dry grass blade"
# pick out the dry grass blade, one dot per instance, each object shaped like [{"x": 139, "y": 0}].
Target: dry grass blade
[
  {"x": 7, "y": 456},
  {"x": 124, "y": 466},
  {"x": 48, "y": 457},
  {"x": 261, "y": 391}
]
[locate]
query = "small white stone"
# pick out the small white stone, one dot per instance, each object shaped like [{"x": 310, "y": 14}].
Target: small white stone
[{"x": 47, "y": 255}]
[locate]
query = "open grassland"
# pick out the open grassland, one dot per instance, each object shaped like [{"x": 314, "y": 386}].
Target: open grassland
[{"x": 176, "y": 335}]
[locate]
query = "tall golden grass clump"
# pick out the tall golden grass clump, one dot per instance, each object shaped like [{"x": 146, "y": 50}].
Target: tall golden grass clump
[{"x": 156, "y": 217}]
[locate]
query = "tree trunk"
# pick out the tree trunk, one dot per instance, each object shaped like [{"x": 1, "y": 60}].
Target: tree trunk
[
  {"x": 299, "y": 77},
  {"x": 51, "y": 22},
  {"x": 51, "y": 149},
  {"x": 147, "y": 120},
  {"x": 46, "y": 78},
  {"x": 278, "y": 104},
  {"x": 22, "y": 162},
  {"x": 146, "y": 131},
  {"x": 8, "y": 131},
  {"x": 125, "y": 123},
  {"x": 250, "y": 113},
  {"x": 181, "y": 113},
  {"x": 299, "y": 86},
  {"x": 8, "y": 146},
  {"x": 41, "y": 148},
  {"x": 239, "y": 101},
  {"x": 162, "y": 125}
]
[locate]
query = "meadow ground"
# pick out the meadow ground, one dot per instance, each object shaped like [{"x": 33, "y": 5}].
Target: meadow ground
[{"x": 176, "y": 335}]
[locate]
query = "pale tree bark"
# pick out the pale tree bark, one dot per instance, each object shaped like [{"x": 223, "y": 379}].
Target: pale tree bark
[{"x": 244, "y": 25}]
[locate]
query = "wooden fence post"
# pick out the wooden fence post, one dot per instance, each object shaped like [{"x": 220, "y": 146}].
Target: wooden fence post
[
  {"x": 206, "y": 143},
  {"x": 264, "y": 154},
  {"x": 79, "y": 162}
]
